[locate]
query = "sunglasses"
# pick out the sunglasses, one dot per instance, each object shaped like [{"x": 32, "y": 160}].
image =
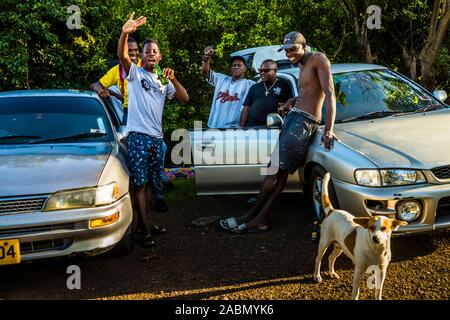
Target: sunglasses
[{"x": 266, "y": 70}]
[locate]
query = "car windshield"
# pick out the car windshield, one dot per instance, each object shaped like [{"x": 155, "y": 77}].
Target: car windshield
[
  {"x": 378, "y": 93},
  {"x": 54, "y": 119}
]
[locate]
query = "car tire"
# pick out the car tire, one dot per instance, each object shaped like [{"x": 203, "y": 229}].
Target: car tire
[
  {"x": 126, "y": 245},
  {"x": 314, "y": 193}
]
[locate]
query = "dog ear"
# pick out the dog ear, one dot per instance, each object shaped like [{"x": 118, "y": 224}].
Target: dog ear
[
  {"x": 397, "y": 223},
  {"x": 363, "y": 222}
]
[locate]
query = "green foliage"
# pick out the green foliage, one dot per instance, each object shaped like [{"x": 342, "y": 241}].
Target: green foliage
[{"x": 37, "y": 50}]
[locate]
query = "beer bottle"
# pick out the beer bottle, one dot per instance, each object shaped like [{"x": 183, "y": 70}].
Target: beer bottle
[{"x": 160, "y": 75}]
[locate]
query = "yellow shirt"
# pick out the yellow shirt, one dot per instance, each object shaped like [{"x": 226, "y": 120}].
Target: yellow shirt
[{"x": 112, "y": 78}]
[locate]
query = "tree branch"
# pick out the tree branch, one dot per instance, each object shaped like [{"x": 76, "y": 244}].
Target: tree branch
[{"x": 341, "y": 45}]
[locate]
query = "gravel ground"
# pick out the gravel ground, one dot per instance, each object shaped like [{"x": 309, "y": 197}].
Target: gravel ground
[{"x": 208, "y": 263}]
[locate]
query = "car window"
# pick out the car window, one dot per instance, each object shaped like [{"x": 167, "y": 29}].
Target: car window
[
  {"x": 363, "y": 92},
  {"x": 53, "y": 117}
]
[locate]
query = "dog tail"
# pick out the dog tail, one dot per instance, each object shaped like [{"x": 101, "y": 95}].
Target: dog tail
[{"x": 326, "y": 203}]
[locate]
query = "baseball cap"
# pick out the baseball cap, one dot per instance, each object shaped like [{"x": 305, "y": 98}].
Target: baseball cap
[
  {"x": 238, "y": 58},
  {"x": 292, "y": 38}
]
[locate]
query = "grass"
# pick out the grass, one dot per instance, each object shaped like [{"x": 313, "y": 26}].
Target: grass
[{"x": 185, "y": 189}]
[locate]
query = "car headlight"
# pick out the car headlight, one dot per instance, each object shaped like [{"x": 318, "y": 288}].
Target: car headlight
[
  {"x": 83, "y": 198},
  {"x": 388, "y": 177},
  {"x": 368, "y": 178},
  {"x": 409, "y": 210}
]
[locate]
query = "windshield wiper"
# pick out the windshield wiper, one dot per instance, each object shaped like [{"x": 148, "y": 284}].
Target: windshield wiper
[
  {"x": 371, "y": 115},
  {"x": 74, "y": 137},
  {"x": 16, "y": 137},
  {"x": 430, "y": 107}
]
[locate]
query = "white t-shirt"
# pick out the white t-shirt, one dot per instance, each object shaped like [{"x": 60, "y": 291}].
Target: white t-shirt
[
  {"x": 146, "y": 97},
  {"x": 227, "y": 102}
]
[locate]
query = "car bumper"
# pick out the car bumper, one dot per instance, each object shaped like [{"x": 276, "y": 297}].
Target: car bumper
[
  {"x": 435, "y": 200},
  {"x": 66, "y": 232}
]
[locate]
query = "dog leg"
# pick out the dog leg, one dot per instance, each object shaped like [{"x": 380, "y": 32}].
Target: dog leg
[
  {"x": 379, "y": 283},
  {"x": 323, "y": 245},
  {"x": 356, "y": 281},
  {"x": 332, "y": 259}
]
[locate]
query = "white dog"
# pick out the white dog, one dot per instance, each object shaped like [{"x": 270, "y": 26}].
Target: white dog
[{"x": 364, "y": 240}]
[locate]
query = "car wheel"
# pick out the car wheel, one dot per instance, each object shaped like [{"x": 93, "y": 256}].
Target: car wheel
[
  {"x": 315, "y": 193},
  {"x": 126, "y": 245}
]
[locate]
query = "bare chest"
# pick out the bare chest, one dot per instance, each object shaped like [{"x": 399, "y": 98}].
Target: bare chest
[{"x": 307, "y": 79}]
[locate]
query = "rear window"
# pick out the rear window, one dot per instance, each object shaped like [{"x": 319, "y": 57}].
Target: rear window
[{"x": 53, "y": 117}]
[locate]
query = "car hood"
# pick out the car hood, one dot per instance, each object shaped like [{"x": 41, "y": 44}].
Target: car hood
[
  {"x": 44, "y": 169},
  {"x": 409, "y": 141}
]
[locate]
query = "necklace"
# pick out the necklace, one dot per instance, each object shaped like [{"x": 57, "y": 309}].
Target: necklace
[{"x": 267, "y": 90}]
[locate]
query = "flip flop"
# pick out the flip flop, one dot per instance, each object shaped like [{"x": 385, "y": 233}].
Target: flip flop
[
  {"x": 157, "y": 230},
  {"x": 148, "y": 241},
  {"x": 228, "y": 224},
  {"x": 242, "y": 228}
]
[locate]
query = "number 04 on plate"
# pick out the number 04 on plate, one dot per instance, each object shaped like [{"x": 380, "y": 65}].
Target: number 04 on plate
[{"x": 9, "y": 251}]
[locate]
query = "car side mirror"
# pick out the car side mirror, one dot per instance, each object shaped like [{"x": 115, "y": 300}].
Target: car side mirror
[
  {"x": 441, "y": 95},
  {"x": 274, "y": 120}
]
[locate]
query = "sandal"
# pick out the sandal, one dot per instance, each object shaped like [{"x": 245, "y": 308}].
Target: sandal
[
  {"x": 228, "y": 224},
  {"x": 157, "y": 230},
  {"x": 148, "y": 241}
]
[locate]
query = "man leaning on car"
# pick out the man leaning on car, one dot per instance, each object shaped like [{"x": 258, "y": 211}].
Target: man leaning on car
[{"x": 315, "y": 84}]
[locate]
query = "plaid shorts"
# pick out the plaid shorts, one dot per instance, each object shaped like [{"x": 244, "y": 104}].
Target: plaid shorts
[{"x": 146, "y": 158}]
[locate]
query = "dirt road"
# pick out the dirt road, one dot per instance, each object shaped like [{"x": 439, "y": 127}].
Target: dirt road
[{"x": 208, "y": 263}]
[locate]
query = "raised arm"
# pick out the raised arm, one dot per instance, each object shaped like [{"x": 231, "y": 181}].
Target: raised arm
[
  {"x": 122, "y": 50},
  {"x": 180, "y": 92},
  {"x": 209, "y": 51},
  {"x": 323, "y": 66}
]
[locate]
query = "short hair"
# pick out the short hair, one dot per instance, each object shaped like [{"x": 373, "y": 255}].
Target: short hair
[
  {"x": 271, "y": 62},
  {"x": 150, "y": 41},
  {"x": 131, "y": 39}
]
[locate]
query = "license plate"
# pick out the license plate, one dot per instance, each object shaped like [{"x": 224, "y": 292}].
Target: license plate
[{"x": 9, "y": 251}]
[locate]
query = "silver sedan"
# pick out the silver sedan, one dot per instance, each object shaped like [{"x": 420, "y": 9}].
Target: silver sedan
[
  {"x": 63, "y": 176},
  {"x": 392, "y": 157}
]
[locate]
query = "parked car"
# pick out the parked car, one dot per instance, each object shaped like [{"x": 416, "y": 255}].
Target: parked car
[
  {"x": 63, "y": 176},
  {"x": 392, "y": 157}
]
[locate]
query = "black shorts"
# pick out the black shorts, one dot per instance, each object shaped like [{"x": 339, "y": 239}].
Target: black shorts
[{"x": 294, "y": 140}]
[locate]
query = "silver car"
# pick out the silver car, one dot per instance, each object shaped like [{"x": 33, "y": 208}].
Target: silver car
[
  {"x": 63, "y": 176},
  {"x": 392, "y": 157}
]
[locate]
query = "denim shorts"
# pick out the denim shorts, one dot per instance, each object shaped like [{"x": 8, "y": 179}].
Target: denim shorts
[
  {"x": 146, "y": 158},
  {"x": 294, "y": 140}
]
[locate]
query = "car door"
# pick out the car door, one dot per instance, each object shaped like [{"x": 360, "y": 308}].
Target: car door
[{"x": 234, "y": 161}]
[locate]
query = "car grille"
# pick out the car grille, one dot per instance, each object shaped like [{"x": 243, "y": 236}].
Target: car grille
[
  {"x": 21, "y": 205},
  {"x": 30, "y": 230},
  {"x": 442, "y": 172},
  {"x": 45, "y": 245},
  {"x": 443, "y": 208}
]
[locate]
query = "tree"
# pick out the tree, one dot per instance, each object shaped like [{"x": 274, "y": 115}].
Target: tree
[
  {"x": 437, "y": 33},
  {"x": 356, "y": 12}
]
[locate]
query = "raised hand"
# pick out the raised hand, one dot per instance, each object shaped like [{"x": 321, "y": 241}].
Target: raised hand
[
  {"x": 169, "y": 73},
  {"x": 208, "y": 52},
  {"x": 131, "y": 25}
]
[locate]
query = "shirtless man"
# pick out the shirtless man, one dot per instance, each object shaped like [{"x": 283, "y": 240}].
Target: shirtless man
[{"x": 315, "y": 84}]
